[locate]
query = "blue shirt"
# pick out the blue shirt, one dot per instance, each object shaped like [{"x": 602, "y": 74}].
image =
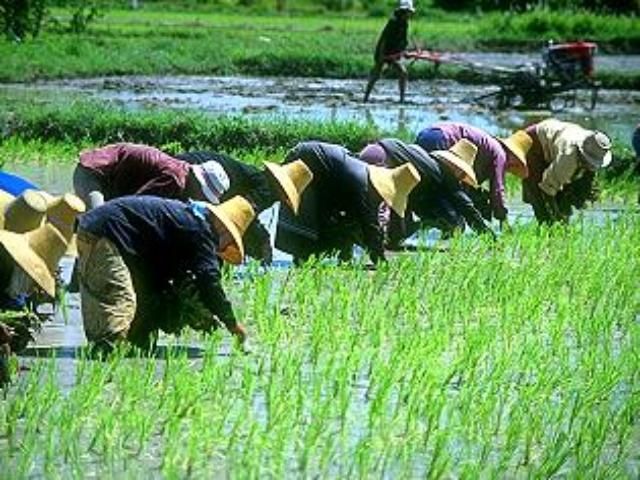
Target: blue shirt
[{"x": 14, "y": 184}]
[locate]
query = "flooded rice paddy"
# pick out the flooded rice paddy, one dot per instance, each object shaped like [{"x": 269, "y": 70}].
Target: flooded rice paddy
[
  {"x": 352, "y": 395},
  {"x": 317, "y": 99},
  {"x": 324, "y": 99}
]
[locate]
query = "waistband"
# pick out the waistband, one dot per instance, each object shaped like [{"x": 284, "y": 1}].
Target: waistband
[{"x": 86, "y": 238}]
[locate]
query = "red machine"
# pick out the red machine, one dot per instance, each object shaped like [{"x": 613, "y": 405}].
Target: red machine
[
  {"x": 570, "y": 59},
  {"x": 565, "y": 69}
]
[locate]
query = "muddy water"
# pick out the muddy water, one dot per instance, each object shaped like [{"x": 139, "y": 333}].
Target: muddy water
[
  {"x": 331, "y": 99},
  {"x": 65, "y": 333},
  {"x": 319, "y": 99}
]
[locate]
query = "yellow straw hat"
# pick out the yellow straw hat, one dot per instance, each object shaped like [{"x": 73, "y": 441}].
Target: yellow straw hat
[
  {"x": 519, "y": 145},
  {"x": 292, "y": 178},
  {"x": 234, "y": 216},
  {"x": 460, "y": 158},
  {"x": 5, "y": 199},
  {"x": 37, "y": 252},
  {"x": 394, "y": 184},
  {"x": 23, "y": 213},
  {"x": 62, "y": 212}
]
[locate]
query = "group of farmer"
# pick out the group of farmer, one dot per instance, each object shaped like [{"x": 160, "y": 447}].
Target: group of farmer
[{"x": 148, "y": 227}]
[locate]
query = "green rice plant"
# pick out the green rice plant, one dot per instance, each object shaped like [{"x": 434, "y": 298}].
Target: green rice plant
[{"x": 505, "y": 361}]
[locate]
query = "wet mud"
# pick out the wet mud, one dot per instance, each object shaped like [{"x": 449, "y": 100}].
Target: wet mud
[
  {"x": 319, "y": 99},
  {"x": 63, "y": 337},
  {"x": 322, "y": 99}
]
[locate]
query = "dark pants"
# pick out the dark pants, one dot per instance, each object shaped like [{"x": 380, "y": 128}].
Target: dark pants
[
  {"x": 376, "y": 71},
  {"x": 312, "y": 232}
]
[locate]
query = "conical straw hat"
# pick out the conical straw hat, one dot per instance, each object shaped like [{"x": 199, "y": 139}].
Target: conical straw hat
[
  {"x": 37, "y": 252},
  {"x": 25, "y": 212},
  {"x": 234, "y": 216},
  {"x": 292, "y": 178},
  {"x": 394, "y": 184},
  {"x": 62, "y": 212},
  {"x": 519, "y": 145},
  {"x": 459, "y": 159},
  {"x": 5, "y": 199}
]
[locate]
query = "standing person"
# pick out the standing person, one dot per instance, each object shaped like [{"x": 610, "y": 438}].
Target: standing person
[
  {"x": 136, "y": 251},
  {"x": 562, "y": 163},
  {"x": 391, "y": 46},
  {"x": 124, "y": 169},
  {"x": 255, "y": 185},
  {"x": 340, "y": 206},
  {"x": 439, "y": 200},
  {"x": 495, "y": 157}
]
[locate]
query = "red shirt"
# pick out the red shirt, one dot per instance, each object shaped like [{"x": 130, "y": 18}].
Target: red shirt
[{"x": 130, "y": 169}]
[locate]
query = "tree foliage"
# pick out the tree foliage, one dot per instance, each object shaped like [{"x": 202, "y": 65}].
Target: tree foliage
[
  {"x": 619, "y": 6},
  {"x": 21, "y": 18}
]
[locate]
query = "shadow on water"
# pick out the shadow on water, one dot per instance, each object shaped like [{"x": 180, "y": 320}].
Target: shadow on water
[{"x": 161, "y": 352}]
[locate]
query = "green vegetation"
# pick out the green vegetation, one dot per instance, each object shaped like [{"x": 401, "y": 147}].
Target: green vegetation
[
  {"x": 199, "y": 42},
  {"x": 80, "y": 123},
  {"x": 55, "y": 133},
  {"x": 480, "y": 362}
]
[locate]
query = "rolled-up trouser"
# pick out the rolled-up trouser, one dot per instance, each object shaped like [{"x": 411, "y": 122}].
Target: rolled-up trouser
[
  {"x": 86, "y": 181},
  {"x": 106, "y": 290}
]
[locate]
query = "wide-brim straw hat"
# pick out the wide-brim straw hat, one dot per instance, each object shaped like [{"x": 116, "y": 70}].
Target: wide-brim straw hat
[
  {"x": 292, "y": 179},
  {"x": 596, "y": 149},
  {"x": 24, "y": 212},
  {"x": 519, "y": 144},
  {"x": 234, "y": 216},
  {"x": 5, "y": 198},
  {"x": 394, "y": 184},
  {"x": 62, "y": 212},
  {"x": 37, "y": 252},
  {"x": 460, "y": 158}
]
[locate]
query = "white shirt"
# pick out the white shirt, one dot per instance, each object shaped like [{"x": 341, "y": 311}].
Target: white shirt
[{"x": 559, "y": 142}]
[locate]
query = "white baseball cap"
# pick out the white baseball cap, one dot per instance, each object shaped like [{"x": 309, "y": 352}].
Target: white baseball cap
[
  {"x": 405, "y": 5},
  {"x": 596, "y": 149},
  {"x": 213, "y": 180}
]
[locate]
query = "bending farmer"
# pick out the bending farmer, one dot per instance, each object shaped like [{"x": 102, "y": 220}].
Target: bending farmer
[
  {"x": 439, "y": 200},
  {"x": 129, "y": 169},
  {"x": 495, "y": 157},
  {"x": 340, "y": 206},
  {"x": 562, "y": 163},
  {"x": 136, "y": 251}
]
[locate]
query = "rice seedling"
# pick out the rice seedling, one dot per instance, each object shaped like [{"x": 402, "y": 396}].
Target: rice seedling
[{"x": 501, "y": 361}]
